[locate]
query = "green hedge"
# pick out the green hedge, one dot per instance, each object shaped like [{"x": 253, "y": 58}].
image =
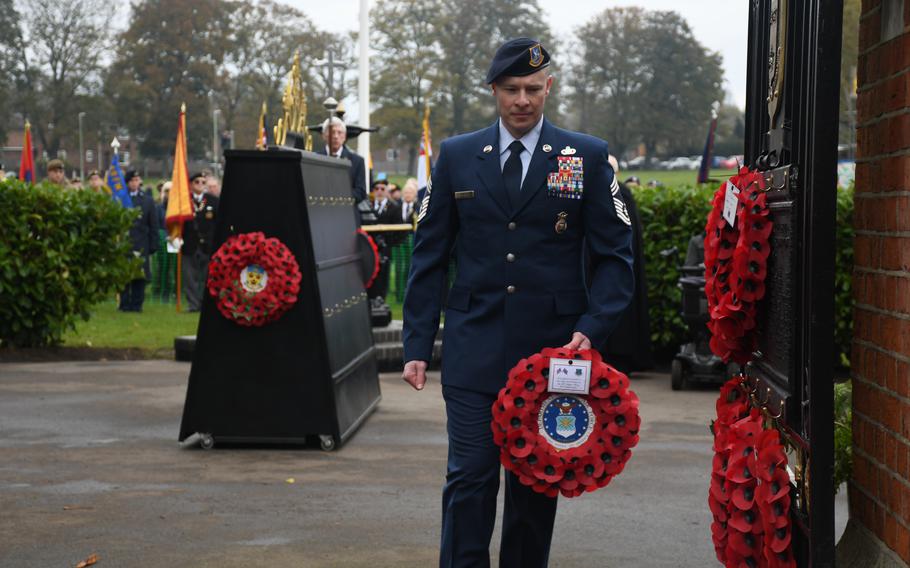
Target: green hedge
[
  {"x": 61, "y": 251},
  {"x": 670, "y": 216}
]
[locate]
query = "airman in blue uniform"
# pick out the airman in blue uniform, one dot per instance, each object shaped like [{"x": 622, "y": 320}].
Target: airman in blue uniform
[{"x": 515, "y": 204}]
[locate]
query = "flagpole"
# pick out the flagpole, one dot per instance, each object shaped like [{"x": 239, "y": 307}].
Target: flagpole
[
  {"x": 182, "y": 124},
  {"x": 179, "y": 264}
]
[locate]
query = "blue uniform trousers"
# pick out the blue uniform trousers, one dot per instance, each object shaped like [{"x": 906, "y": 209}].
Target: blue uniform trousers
[
  {"x": 469, "y": 497},
  {"x": 133, "y": 296}
]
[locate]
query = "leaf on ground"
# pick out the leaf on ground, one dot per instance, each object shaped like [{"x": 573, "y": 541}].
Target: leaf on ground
[
  {"x": 91, "y": 560},
  {"x": 290, "y": 480},
  {"x": 77, "y": 508}
]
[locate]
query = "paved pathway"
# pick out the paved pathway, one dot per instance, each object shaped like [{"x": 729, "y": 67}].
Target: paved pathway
[{"x": 89, "y": 463}]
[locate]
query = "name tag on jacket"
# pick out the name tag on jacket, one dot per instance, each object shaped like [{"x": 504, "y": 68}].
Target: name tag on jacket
[{"x": 464, "y": 194}]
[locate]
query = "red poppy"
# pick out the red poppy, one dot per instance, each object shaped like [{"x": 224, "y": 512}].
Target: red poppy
[
  {"x": 520, "y": 442},
  {"x": 549, "y": 469},
  {"x": 589, "y": 469},
  {"x": 745, "y": 544},
  {"x": 743, "y": 496},
  {"x": 746, "y": 521}
]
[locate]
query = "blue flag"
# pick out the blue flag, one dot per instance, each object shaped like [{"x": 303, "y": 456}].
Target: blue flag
[{"x": 116, "y": 183}]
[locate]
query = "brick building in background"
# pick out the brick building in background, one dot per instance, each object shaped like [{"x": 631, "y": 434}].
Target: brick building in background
[{"x": 879, "y": 530}]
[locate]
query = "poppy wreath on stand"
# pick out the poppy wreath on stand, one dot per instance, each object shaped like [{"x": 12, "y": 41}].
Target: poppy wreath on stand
[
  {"x": 736, "y": 263},
  {"x": 253, "y": 279},
  {"x": 749, "y": 495},
  {"x": 565, "y": 443},
  {"x": 370, "y": 255}
]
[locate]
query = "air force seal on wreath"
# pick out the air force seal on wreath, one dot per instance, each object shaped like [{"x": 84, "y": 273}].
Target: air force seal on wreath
[{"x": 565, "y": 421}]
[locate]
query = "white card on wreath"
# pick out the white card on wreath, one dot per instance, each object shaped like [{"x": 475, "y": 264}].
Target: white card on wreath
[
  {"x": 730, "y": 203},
  {"x": 569, "y": 376}
]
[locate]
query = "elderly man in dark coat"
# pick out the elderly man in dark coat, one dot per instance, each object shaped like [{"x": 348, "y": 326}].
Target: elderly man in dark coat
[{"x": 144, "y": 237}]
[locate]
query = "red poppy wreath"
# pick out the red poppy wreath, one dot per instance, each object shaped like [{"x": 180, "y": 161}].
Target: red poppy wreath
[
  {"x": 370, "y": 254},
  {"x": 565, "y": 443},
  {"x": 253, "y": 279},
  {"x": 749, "y": 495},
  {"x": 736, "y": 262}
]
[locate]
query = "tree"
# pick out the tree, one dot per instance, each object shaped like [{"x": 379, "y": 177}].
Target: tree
[
  {"x": 264, "y": 37},
  {"x": 405, "y": 34},
  {"x": 730, "y": 136},
  {"x": 644, "y": 78},
  {"x": 608, "y": 79},
  {"x": 58, "y": 47},
  {"x": 684, "y": 81},
  {"x": 169, "y": 55},
  {"x": 9, "y": 37}
]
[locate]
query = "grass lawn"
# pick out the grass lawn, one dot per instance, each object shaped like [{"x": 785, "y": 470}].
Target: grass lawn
[
  {"x": 152, "y": 330},
  {"x": 675, "y": 177}
]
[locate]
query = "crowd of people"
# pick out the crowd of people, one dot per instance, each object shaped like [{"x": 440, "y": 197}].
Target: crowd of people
[{"x": 154, "y": 246}]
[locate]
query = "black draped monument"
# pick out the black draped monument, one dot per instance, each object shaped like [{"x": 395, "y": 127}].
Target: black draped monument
[{"x": 314, "y": 371}]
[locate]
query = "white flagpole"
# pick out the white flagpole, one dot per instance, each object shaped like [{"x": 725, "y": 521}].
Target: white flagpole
[{"x": 363, "y": 86}]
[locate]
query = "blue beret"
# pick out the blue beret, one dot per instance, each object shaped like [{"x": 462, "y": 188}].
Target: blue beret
[{"x": 518, "y": 57}]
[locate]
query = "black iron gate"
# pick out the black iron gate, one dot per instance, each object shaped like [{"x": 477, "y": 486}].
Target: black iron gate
[{"x": 791, "y": 135}]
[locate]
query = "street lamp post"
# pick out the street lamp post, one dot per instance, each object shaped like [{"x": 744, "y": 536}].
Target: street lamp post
[
  {"x": 215, "y": 114},
  {"x": 81, "y": 151}
]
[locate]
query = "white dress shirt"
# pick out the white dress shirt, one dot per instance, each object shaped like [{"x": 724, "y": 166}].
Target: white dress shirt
[
  {"x": 529, "y": 141},
  {"x": 406, "y": 210}
]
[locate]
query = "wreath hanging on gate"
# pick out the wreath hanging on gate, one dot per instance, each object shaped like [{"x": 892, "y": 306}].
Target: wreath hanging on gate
[
  {"x": 749, "y": 495},
  {"x": 736, "y": 261},
  {"x": 565, "y": 443},
  {"x": 253, "y": 279}
]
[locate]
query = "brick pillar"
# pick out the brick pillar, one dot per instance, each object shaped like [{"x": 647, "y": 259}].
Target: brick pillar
[{"x": 880, "y": 488}]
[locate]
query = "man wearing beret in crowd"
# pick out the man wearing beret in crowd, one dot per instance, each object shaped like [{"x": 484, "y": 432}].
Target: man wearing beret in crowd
[
  {"x": 514, "y": 203},
  {"x": 144, "y": 236},
  {"x": 56, "y": 174},
  {"x": 198, "y": 235}
]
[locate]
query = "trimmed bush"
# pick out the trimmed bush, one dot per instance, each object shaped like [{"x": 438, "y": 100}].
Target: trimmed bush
[
  {"x": 670, "y": 216},
  {"x": 61, "y": 252}
]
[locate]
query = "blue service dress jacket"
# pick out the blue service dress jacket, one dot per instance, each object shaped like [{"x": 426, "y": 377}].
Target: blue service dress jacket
[{"x": 519, "y": 285}]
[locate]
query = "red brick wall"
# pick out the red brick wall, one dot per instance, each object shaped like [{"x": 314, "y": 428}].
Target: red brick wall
[{"x": 880, "y": 489}]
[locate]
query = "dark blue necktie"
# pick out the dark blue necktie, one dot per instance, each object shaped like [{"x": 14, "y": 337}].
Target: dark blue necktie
[{"x": 511, "y": 173}]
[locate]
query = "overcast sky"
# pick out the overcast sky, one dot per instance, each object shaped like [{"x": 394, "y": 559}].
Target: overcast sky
[{"x": 720, "y": 26}]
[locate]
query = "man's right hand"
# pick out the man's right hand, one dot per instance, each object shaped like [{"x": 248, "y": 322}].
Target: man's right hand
[{"x": 415, "y": 374}]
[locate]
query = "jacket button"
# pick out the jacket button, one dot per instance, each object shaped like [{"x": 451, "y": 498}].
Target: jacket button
[
  {"x": 510, "y": 257},
  {"x": 510, "y": 289},
  {"x": 512, "y": 226}
]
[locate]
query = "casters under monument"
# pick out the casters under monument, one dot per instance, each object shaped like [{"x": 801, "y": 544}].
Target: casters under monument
[
  {"x": 206, "y": 441},
  {"x": 326, "y": 442}
]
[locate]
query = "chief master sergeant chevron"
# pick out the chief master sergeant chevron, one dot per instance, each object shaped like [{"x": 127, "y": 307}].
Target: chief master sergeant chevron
[{"x": 514, "y": 203}]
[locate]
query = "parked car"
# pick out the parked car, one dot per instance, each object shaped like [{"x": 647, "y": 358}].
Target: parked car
[
  {"x": 731, "y": 163},
  {"x": 681, "y": 163},
  {"x": 637, "y": 163}
]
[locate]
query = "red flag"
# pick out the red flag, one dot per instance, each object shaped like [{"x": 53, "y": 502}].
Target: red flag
[
  {"x": 27, "y": 164},
  {"x": 179, "y": 206}
]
